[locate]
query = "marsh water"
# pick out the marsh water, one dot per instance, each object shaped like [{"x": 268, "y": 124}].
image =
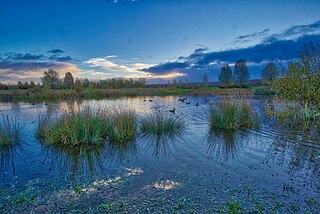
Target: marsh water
[{"x": 270, "y": 169}]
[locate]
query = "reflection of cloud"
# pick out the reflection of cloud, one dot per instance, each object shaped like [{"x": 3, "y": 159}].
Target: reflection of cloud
[{"x": 166, "y": 185}]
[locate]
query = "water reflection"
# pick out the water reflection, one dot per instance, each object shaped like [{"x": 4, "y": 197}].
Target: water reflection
[
  {"x": 162, "y": 145},
  {"x": 224, "y": 144},
  {"x": 8, "y": 156}
]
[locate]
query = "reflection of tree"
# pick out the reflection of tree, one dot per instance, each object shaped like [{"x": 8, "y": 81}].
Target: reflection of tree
[
  {"x": 300, "y": 149},
  {"x": 224, "y": 143}
]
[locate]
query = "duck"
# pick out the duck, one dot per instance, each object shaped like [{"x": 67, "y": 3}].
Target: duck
[
  {"x": 173, "y": 110},
  {"x": 188, "y": 103},
  {"x": 33, "y": 104},
  {"x": 150, "y": 100},
  {"x": 45, "y": 103},
  {"x": 197, "y": 104}
]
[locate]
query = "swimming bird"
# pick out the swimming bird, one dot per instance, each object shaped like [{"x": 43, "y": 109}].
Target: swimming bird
[
  {"x": 197, "y": 104},
  {"x": 150, "y": 100},
  {"x": 45, "y": 103},
  {"x": 33, "y": 104},
  {"x": 188, "y": 103},
  {"x": 173, "y": 110}
]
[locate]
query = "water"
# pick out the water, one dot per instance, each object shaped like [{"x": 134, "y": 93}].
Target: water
[{"x": 270, "y": 169}]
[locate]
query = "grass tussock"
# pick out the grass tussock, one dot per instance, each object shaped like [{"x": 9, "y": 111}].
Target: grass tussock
[
  {"x": 10, "y": 130},
  {"x": 88, "y": 127},
  {"x": 158, "y": 123},
  {"x": 77, "y": 128},
  {"x": 293, "y": 114},
  {"x": 121, "y": 125},
  {"x": 232, "y": 114}
]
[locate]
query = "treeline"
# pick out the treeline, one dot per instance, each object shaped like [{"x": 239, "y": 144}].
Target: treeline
[{"x": 52, "y": 80}]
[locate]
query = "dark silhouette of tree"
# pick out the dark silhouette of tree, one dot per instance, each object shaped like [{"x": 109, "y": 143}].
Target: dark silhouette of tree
[
  {"x": 240, "y": 72},
  {"x": 226, "y": 75},
  {"x": 51, "y": 77},
  {"x": 270, "y": 72},
  {"x": 68, "y": 80},
  {"x": 205, "y": 80}
]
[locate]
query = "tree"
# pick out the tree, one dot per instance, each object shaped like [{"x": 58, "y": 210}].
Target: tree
[
  {"x": 78, "y": 86},
  {"x": 32, "y": 85},
  {"x": 68, "y": 80},
  {"x": 240, "y": 72},
  {"x": 205, "y": 80},
  {"x": 301, "y": 79},
  {"x": 174, "y": 83},
  {"x": 85, "y": 82},
  {"x": 226, "y": 75},
  {"x": 51, "y": 77},
  {"x": 270, "y": 72}
]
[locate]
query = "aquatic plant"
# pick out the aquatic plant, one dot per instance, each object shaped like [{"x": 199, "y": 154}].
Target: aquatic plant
[
  {"x": 10, "y": 130},
  {"x": 293, "y": 114},
  {"x": 121, "y": 125},
  {"x": 158, "y": 123},
  {"x": 76, "y": 128},
  {"x": 232, "y": 114}
]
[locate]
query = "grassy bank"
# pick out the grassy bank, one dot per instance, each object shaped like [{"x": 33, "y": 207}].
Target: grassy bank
[{"x": 67, "y": 94}]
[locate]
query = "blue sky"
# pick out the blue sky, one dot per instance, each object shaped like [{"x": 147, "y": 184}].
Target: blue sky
[{"x": 159, "y": 40}]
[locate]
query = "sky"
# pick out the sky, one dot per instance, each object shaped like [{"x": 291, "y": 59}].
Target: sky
[{"x": 159, "y": 40}]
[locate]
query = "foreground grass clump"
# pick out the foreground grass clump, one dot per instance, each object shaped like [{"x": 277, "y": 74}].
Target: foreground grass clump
[
  {"x": 161, "y": 124},
  {"x": 77, "y": 128},
  {"x": 121, "y": 125},
  {"x": 293, "y": 114},
  {"x": 10, "y": 130},
  {"x": 232, "y": 114}
]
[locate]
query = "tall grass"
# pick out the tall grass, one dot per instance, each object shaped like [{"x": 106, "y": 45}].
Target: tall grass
[
  {"x": 232, "y": 114},
  {"x": 121, "y": 125},
  {"x": 10, "y": 130},
  {"x": 77, "y": 128},
  {"x": 88, "y": 127},
  {"x": 293, "y": 114},
  {"x": 158, "y": 123}
]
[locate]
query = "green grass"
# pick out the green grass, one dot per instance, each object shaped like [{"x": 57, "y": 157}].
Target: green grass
[
  {"x": 77, "y": 128},
  {"x": 293, "y": 114},
  {"x": 157, "y": 123},
  {"x": 121, "y": 125},
  {"x": 88, "y": 127},
  {"x": 10, "y": 130},
  {"x": 231, "y": 114}
]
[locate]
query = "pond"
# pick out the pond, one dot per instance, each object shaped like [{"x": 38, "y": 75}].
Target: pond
[{"x": 266, "y": 169}]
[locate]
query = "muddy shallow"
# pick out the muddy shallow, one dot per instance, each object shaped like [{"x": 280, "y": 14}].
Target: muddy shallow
[{"x": 271, "y": 169}]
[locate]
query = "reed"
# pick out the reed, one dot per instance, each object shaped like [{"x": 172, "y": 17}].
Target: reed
[{"x": 10, "y": 130}]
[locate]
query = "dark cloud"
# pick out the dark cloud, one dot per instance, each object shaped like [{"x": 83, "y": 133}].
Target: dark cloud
[
  {"x": 56, "y": 51},
  {"x": 25, "y": 65},
  {"x": 294, "y": 32},
  {"x": 64, "y": 59},
  {"x": 252, "y": 36},
  {"x": 167, "y": 67},
  {"x": 24, "y": 57},
  {"x": 201, "y": 61}
]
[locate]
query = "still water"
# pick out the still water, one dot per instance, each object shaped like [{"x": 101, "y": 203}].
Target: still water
[{"x": 269, "y": 170}]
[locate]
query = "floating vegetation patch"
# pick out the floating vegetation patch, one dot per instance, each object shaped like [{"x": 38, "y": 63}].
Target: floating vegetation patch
[
  {"x": 232, "y": 114},
  {"x": 166, "y": 185}
]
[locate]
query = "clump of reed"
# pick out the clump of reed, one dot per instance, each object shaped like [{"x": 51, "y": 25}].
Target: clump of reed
[
  {"x": 293, "y": 114},
  {"x": 76, "y": 128},
  {"x": 121, "y": 125},
  {"x": 232, "y": 114},
  {"x": 10, "y": 130},
  {"x": 158, "y": 123},
  {"x": 88, "y": 127}
]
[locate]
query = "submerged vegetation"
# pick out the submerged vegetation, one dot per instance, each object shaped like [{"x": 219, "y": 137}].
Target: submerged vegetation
[
  {"x": 158, "y": 123},
  {"x": 232, "y": 114},
  {"x": 10, "y": 130}
]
